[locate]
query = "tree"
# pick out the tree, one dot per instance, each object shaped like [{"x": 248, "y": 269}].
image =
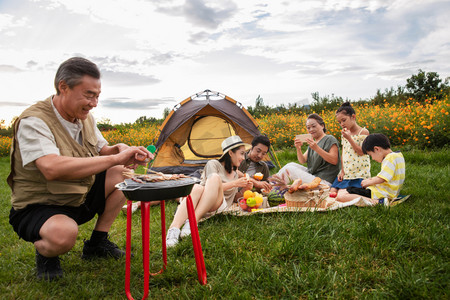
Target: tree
[
  {"x": 326, "y": 102},
  {"x": 260, "y": 109},
  {"x": 166, "y": 112},
  {"x": 426, "y": 85}
]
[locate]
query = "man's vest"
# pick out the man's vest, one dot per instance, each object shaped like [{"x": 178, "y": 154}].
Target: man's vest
[{"x": 30, "y": 186}]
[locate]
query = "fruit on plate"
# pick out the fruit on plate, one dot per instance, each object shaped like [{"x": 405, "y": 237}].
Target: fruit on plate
[
  {"x": 248, "y": 194},
  {"x": 258, "y": 200},
  {"x": 243, "y": 204},
  {"x": 251, "y": 202}
]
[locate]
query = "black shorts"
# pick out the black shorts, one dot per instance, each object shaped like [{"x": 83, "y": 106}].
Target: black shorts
[
  {"x": 27, "y": 222},
  {"x": 360, "y": 191}
]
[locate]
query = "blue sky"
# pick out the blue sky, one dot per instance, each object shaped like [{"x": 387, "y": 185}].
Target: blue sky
[{"x": 153, "y": 54}]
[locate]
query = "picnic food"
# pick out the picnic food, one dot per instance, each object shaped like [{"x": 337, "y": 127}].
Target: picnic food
[
  {"x": 258, "y": 199},
  {"x": 275, "y": 197},
  {"x": 248, "y": 194},
  {"x": 258, "y": 176},
  {"x": 295, "y": 185},
  {"x": 312, "y": 185},
  {"x": 155, "y": 177},
  {"x": 144, "y": 158},
  {"x": 243, "y": 204},
  {"x": 253, "y": 201}
]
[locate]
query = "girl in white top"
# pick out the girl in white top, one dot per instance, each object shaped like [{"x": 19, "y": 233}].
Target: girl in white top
[{"x": 216, "y": 191}]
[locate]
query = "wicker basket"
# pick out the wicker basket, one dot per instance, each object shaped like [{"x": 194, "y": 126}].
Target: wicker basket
[{"x": 308, "y": 198}]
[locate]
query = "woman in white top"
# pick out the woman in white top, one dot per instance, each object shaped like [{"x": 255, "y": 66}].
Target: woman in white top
[{"x": 217, "y": 189}]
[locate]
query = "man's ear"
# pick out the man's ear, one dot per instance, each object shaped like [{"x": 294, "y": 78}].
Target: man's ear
[
  {"x": 376, "y": 148},
  {"x": 62, "y": 86}
]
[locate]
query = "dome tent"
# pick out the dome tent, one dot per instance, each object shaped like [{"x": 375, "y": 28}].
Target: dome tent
[{"x": 193, "y": 131}]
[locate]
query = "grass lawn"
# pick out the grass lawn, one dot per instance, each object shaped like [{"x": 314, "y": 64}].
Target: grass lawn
[{"x": 376, "y": 252}]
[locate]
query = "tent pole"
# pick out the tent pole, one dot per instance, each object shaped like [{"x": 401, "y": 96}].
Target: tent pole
[{"x": 274, "y": 155}]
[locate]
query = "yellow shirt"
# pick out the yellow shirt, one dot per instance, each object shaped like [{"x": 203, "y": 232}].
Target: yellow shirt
[{"x": 393, "y": 171}]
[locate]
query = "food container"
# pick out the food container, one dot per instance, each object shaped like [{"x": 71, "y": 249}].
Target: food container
[
  {"x": 160, "y": 190},
  {"x": 308, "y": 198}
]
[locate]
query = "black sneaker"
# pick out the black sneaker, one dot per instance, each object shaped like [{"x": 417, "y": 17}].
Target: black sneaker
[
  {"x": 48, "y": 268},
  {"x": 105, "y": 248}
]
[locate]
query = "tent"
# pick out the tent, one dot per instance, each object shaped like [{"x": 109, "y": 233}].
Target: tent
[{"x": 193, "y": 131}]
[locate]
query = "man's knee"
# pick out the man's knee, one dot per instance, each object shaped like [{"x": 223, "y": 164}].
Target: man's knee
[
  {"x": 115, "y": 173},
  {"x": 60, "y": 232}
]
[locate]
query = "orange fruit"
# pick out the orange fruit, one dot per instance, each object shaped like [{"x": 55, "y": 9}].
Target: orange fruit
[
  {"x": 258, "y": 199},
  {"x": 258, "y": 176},
  {"x": 248, "y": 194}
]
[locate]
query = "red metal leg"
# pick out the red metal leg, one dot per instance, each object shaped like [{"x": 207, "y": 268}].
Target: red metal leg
[
  {"x": 128, "y": 252},
  {"x": 163, "y": 238},
  {"x": 199, "y": 260},
  {"x": 145, "y": 219},
  {"x": 163, "y": 232}
]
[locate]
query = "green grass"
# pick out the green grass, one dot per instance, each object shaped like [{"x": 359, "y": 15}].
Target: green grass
[{"x": 401, "y": 252}]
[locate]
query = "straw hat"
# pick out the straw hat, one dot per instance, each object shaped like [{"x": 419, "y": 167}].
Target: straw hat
[{"x": 232, "y": 142}]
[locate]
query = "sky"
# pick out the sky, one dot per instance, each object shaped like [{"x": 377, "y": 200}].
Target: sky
[{"x": 156, "y": 53}]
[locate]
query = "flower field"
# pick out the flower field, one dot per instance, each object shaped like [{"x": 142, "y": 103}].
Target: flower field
[
  {"x": 5, "y": 145},
  {"x": 421, "y": 125}
]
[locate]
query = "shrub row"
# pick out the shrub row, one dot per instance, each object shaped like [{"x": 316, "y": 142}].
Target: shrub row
[{"x": 415, "y": 124}]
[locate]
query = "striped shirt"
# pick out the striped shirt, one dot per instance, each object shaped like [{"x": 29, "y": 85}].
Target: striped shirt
[{"x": 393, "y": 171}]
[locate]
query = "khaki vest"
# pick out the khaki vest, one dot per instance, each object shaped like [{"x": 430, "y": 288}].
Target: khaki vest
[{"x": 30, "y": 186}]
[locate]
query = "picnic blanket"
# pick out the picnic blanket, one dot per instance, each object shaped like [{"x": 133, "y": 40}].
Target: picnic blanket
[{"x": 332, "y": 205}]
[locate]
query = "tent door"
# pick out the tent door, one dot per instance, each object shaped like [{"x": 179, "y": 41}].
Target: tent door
[{"x": 205, "y": 138}]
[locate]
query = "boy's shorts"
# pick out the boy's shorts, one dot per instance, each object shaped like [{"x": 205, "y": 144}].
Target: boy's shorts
[
  {"x": 27, "y": 222},
  {"x": 345, "y": 183},
  {"x": 360, "y": 191}
]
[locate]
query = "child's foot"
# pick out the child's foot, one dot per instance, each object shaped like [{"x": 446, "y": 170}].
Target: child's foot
[{"x": 332, "y": 194}]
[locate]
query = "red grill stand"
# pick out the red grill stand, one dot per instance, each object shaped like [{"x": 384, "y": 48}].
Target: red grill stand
[{"x": 145, "y": 216}]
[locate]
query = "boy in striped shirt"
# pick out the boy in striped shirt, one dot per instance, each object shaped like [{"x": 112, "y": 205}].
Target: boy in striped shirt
[{"x": 389, "y": 181}]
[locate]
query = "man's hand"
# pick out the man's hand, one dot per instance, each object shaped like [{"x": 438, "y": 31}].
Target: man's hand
[
  {"x": 132, "y": 157},
  {"x": 262, "y": 185}
]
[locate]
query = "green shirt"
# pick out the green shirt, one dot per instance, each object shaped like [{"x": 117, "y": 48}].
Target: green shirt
[{"x": 317, "y": 166}]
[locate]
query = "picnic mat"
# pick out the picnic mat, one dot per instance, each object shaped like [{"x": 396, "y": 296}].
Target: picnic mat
[{"x": 332, "y": 204}]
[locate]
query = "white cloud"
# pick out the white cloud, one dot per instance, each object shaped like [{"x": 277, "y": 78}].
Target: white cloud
[{"x": 170, "y": 49}]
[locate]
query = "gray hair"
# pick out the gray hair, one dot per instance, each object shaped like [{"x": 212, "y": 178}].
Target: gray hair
[{"x": 72, "y": 70}]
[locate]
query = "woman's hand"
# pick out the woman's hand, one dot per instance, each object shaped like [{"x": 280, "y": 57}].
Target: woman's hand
[
  {"x": 312, "y": 144},
  {"x": 243, "y": 182},
  {"x": 298, "y": 144}
]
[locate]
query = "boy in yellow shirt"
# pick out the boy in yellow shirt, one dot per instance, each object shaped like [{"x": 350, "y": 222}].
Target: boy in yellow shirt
[{"x": 387, "y": 183}]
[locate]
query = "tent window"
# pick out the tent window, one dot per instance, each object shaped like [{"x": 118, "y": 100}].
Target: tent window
[{"x": 206, "y": 136}]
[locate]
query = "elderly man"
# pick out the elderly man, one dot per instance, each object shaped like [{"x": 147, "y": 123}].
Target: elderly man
[{"x": 63, "y": 172}]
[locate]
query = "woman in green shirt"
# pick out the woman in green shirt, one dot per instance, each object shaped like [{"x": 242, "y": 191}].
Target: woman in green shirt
[{"x": 321, "y": 156}]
